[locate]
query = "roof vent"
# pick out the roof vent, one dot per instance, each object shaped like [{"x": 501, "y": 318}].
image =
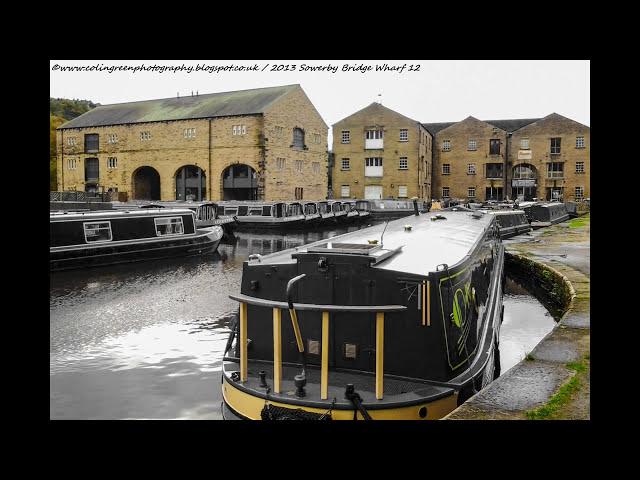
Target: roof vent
[{"x": 438, "y": 217}]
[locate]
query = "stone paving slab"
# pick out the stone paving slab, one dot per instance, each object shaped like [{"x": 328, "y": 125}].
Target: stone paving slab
[
  {"x": 526, "y": 386},
  {"x": 563, "y": 345}
]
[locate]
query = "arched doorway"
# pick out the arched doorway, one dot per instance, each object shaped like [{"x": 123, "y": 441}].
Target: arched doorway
[
  {"x": 146, "y": 184},
  {"x": 191, "y": 184},
  {"x": 524, "y": 182},
  {"x": 239, "y": 182}
]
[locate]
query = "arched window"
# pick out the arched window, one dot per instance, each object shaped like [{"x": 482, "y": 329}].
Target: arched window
[{"x": 298, "y": 138}]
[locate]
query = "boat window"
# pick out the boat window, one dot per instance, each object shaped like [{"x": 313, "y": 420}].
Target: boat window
[
  {"x": 335, "y": 207},
  {"x": 169, "y": 226},
  {"x": 266, "y": 211},
  {"x": 242, "y": 210},
  {"x": 220, "y": 209},
  {"x": 362, "y": 205},
  {"x": 97, "y": 232},
  {"x": 255, "y": 212},
  {"x": 231, "y": 211}
]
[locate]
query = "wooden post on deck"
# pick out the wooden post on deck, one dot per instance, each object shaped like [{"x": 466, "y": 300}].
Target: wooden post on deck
[
  {"x": 277, "y": 350},
  {"x": 379, "y": 355},
  {"x": 243, "y": 343}
]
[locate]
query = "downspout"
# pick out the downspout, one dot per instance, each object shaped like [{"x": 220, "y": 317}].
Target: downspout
[
  {"x": 210, "y": 171},
  {"x": 506, "y": 166},
  {"x": 61, "y": 160}
]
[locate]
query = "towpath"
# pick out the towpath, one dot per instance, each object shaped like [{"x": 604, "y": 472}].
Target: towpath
[{"x": 553, "y": 380}]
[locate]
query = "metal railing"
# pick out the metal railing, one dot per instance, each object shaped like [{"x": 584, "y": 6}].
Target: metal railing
[
  {"x": 80, "y": 196},
  {"x": 277, "y": 308}
]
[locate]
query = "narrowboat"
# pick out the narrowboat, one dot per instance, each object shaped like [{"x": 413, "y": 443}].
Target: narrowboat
[
  {"x": 394, "y": 321},
  {"x": 546, "y": 214},
  {"x": 311, "y": 214},
  {"x": 339, "y": 212},
  {"x": 252, "y": 215},
  {"x": 119, "y": 236},
  {"x": 572, "y": 209},
  {"x": 511, "y": 222},
  {"x": 327, "y": 215},
  {"x": 206, "y": 212},
  {"x": 391, "y": 209},
  {"x": 363, "y": 215}
]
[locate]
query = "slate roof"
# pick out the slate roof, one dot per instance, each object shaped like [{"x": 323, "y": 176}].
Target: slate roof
[
  {"x": 434, "y": 128},
  {"x": 241, "y": 102},
  {"x": 506, "y": 125}
]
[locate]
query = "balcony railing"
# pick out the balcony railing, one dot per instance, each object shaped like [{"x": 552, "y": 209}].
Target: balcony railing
[
  {"x": 374, "y": 143},
  {"x": 555, "y": 175}
]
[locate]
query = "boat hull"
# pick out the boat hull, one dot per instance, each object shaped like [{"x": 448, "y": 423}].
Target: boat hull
[{"x": 206, "y": 241}]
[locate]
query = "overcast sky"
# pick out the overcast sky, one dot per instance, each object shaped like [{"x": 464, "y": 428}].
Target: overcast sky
[{"x": 437, "y": 91}]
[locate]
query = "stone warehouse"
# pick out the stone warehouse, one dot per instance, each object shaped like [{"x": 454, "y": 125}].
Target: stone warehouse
[
  {"x": 266, "y": 144},
  {"x": 379, "y": 153},
  {"x": 545, "y": 158}
]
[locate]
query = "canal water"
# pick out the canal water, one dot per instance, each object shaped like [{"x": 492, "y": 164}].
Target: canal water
[{"x": 145, "y": 341}]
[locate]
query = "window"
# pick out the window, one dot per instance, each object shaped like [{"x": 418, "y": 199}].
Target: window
[
  {"x": 579, "y": 193},
  {"x": 346, "y": 136},
  {"x": 189, "y": 133},
  {"x": 402, "y": 191},
  {"x": 494, "y": 170},
  {"x": 373, "y": 167},
  {"x": 112, "y": 138},
  {"x": 91, "y": 142},
  {"x": 472, "y": 145},
  {"x": 555, "y": 146},
  {"x": 71, "y": 141},
  {"x": 298, "y": 193},
  {"x": 299, "y": 166},
  {"x": 239, "y": 130},
  {"x": 555, "y": 170},
  {"x": 112, "y": 162},
  {"x": 446, "y": 168},
  {"x": 471, "y": 191},
  {"x": 524, "y": 144},
  {"x": 169, "y": 226},
  {"x": 579, "y": 142},
  {"x": 446, "y": 145},
  {"x": 345, "y": 164},
  {"x": 72, "y": 163},
  {"x": 404, "y": 163},
  {"x": 445, "y": 192},
  {"x": 579, "y": 167},
  {"x": 145, "y": 135},
  {"x": 280, "y": 163},
  {"x": 97, "y": 232},
  {"x": 471, "y": 169},
  {"x": 279, "y": 131},
  {"x": 494, "y": 146},
  {"x": 315, "y": 167},
  {"x": 374, "y": 134},
  {"x": 316, "y": 138},
  {"x": 404, "y": 135},
  {"x": 345, "y": 191},
  {"x": 298, "y": 138}
]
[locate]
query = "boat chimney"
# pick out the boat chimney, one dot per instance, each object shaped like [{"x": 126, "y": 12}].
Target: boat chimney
[{"x": 415, "y": 206}]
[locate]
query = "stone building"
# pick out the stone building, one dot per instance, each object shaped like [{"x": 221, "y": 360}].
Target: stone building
[
  {"x": 266, "y": 143},
  {"x": 379, "y": 153},
  {"x": 488, "y": 160},
  {"x": 549, "y": 159}
]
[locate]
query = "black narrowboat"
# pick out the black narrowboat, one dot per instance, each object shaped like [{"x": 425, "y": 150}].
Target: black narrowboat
[
  {"x": 251, "y": 215},
  {"x": 327, "y": 215},
  {"x": 119, "y": 236},
  {"x": 546, "y": 214},
  {"x": 511, "y": 222},
  {"x": 311, "y": 214},
  {"x": 395, "y": 321}
]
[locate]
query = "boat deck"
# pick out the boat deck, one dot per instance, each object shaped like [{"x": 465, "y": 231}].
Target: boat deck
[{"x": 395, "y": 391}]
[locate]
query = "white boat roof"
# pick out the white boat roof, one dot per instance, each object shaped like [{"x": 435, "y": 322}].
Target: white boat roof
[
  {"x": 428, "y": 244},
  {"x": 107, "y": 214}
]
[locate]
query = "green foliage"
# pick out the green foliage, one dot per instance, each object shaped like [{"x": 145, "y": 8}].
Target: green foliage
[
  {"x": 61, "y": 110},
  {"x": 69, "y": 109}
]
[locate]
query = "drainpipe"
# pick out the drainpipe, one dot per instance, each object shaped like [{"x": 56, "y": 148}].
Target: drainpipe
[
  {"x": 61, "y": 160},
  {"x": 506, "y": 165},
  {"x": 210, "y": 171}
]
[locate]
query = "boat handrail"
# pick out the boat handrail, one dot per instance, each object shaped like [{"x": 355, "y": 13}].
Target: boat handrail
[{"x": 261, "y": 302}]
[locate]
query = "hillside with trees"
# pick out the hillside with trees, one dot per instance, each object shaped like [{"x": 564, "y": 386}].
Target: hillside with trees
[{"x": 62, "y": 110}]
